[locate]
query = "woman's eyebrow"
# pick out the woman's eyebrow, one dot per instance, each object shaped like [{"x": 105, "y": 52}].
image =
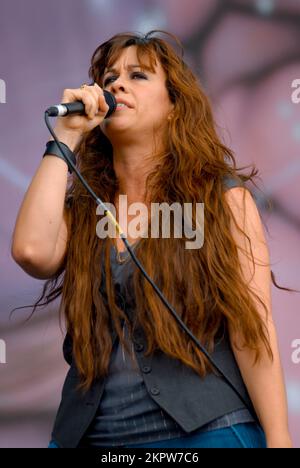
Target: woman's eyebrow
[{"x": 129, "y": 67}]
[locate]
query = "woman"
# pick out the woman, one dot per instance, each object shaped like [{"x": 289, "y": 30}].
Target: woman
[{"x": 136, "y": 379}]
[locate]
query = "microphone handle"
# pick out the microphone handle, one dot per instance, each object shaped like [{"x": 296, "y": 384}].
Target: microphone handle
[{"x": 76, "y": 107}]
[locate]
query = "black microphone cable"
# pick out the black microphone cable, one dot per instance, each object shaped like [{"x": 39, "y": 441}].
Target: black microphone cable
[{"x": 145, "y": 274}]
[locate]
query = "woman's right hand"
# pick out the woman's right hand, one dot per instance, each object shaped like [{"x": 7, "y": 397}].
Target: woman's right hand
[{"x": 96, "y": 109}]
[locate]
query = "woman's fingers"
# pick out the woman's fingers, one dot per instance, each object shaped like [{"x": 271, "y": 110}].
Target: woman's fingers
[{"x": 92, "y": 98}]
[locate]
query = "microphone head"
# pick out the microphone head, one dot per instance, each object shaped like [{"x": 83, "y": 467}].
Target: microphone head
[{"x": 111, "y": 101}]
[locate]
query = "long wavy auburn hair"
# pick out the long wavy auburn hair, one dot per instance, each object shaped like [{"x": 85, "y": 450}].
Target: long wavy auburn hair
[{"x": 205, "y": 286}]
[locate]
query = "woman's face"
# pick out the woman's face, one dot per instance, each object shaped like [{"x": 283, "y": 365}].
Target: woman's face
[{"x": 147, "y": 104}]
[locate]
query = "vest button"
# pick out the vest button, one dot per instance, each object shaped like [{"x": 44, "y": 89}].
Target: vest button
[
  {"x": 146, "y": 369},
  {"x": 155, "y": 391},
  {"x": 139, "y": 346}
]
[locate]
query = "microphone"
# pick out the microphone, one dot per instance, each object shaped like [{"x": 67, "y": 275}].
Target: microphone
[{"x": 77, "y": 107}]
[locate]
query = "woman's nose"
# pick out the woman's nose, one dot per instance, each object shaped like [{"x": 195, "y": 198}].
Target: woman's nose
[{"x": 117, "y": 85}]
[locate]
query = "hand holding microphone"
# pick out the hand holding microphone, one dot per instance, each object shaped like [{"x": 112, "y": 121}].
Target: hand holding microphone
[{"x": 90, "y": 104}]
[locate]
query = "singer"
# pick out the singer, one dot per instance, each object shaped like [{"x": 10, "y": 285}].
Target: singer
[{"x": 136, "y": 379}]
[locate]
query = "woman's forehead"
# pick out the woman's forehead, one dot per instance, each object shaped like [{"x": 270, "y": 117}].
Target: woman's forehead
[{"x": 131, "y": 57}]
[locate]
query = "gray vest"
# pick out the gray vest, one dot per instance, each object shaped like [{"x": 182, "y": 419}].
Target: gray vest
[{"x": 191, "y": 402}]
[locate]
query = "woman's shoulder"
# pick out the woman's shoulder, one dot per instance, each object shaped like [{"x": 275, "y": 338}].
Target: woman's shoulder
[{"x": 230, "y": 181}]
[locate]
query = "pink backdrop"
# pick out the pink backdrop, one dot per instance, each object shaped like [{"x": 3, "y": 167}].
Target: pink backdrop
[{"x": 247, "y": 56}]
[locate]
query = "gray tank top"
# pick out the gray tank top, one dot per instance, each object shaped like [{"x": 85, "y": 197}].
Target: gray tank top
[{"x": 127, "y": 414}]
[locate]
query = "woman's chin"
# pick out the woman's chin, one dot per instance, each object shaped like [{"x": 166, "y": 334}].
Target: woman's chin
[{"x": 114, "y": 127}]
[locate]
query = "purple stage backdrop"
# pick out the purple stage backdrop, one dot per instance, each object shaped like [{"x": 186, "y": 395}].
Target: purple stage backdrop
[{"x": 247, "y": 56}]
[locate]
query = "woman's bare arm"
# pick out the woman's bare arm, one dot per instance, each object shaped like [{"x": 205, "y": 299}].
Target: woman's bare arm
[
  {"x": 264, "y": 381},
  {"x": 40, "y": 233}
]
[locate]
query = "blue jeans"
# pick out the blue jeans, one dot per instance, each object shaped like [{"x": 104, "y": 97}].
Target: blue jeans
[{"x": 245, "y": 435}]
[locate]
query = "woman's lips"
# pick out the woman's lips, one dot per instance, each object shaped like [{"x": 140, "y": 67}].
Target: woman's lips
[{"x": 122, "y": 107}]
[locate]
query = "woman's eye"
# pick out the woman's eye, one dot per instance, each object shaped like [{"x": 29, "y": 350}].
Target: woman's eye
[
  {"x": 139, "y": 75},
  {"x": 109, "y": 79}
]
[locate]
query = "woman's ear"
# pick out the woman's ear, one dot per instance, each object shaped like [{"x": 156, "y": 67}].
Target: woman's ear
[{"x": 171, "y": 114}]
